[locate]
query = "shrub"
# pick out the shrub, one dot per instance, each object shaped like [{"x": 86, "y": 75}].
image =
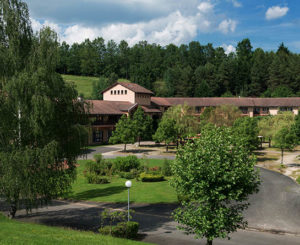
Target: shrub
[
  {"x": 166, "y": 168},
  {"x": 122, "y": 229},
  {"x": 298, "y": 180},
  {"x": 93, "y": 178},
  {"x": 151, "y": 177},
  {"x": 98, "y": 158},
  {"x": 125, "y": 164},
  {"x": 127, "y": 175}
]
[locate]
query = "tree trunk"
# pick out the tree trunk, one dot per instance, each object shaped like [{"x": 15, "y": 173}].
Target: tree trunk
[
  {"x": 124, "y": 147},
  {"x": 167, "y": 145},
  {"x": 12, "y": 211},
  {"x": 209, "y": 242},
  {"x": 269, "y": 142},
  {"x": 139, "y": 141},
  {"x": 281, "y": 155}
]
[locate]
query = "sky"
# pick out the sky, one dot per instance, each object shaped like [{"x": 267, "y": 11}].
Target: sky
[{"x": 267, "y": 23}]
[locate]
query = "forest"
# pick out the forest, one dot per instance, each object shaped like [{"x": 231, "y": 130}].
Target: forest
[{"x": 191, "y": 70}]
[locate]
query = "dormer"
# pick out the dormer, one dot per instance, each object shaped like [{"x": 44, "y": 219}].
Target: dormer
[{"x": 131, "y": 92}]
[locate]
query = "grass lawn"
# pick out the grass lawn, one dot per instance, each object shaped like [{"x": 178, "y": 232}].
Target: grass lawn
[
  {"x": 83, "y": 84},
  {"x": 115, "y": 191},
  {"x": 16, "y": 232}
]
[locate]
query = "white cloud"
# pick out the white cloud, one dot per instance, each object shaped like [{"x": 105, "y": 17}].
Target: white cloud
[
  {"x": 228, "y": 48},
  {"x": 36, "y": 25},
  {"x": 177, "y": 27},
  {"x": 227, "y": 25},
  {"x": 236, "y": 3},
  {"x": 205, "y": 7},
  {"x": 276, "y": 12}
]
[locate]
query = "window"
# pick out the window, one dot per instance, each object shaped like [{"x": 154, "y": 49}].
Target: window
[
  {"x": 286, "y": 109},
  {"x": 115, "y": 92},
  {"x": 198, "y": 109},
  {"x": 244, "y": 110},
  {"x": 121, "y": 91},
  {"x": 111, "y": 92},
  {"x": 118, "y": 91},
  {"x": 265, "y": 110},
  {"x": 256, "y": 110},
  {"x": 125, "y": 91}
]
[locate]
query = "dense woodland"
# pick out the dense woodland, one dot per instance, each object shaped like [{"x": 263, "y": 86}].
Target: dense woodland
[{"x": 192, "y": 70}]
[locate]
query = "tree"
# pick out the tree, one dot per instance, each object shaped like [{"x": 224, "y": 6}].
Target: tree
[
  {"x": 142, "y": 124},
  {"x": 124, "y": 132},
  {"x": 216, "y": 175},
  {"x": 296, "y": 127},
  {"x": 224, "y": 115},
  {"x": 247, "y": 128},
  {"x": 98, "y": 87},
  {"x": 166, "y": 131},
  {"x": 40, "y": 128},
  {"x": 285, "y": 139}
]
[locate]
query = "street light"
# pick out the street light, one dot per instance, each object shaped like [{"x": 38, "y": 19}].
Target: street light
[{"x": 128, "y": 184}]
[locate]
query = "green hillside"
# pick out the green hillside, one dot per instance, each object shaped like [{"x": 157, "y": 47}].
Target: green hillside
[{"x": 84, "y": 84}]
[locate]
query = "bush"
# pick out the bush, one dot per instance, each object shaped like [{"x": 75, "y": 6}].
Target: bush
[
  {"x": 125, "y": 164},
  {"x": 98, "y": 158},
  {"x": 127, "y": 175},
  {"x": 151, "y": 177},
  {"x": 166, "y": 168},
  {"x": 122, "y": 229},
  {"x": 298, "y": 180},
  {"x": 93, "y": 178}
]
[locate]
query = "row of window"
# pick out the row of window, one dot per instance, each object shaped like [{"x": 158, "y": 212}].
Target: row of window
[
  {"x": 114, "y": 92},
  {"x": 263, "y": 110}
]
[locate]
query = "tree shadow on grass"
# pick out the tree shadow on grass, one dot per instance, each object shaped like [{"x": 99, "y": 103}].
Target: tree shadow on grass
[{"x": 85, "y": 195}]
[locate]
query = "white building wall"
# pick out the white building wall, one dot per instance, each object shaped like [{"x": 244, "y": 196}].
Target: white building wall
[{"x": 110, "y": 95}]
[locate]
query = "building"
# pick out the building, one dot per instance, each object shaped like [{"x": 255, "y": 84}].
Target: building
[{"x": 124, "y": 98}]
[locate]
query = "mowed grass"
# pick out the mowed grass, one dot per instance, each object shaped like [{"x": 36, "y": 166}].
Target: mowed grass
[
  {"x": 16, "y": 232},
  {"x": 115, "y": 191},
  {"x": 84, "y": 84}
]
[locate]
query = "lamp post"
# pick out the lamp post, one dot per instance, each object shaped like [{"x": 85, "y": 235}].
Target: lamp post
[{"x": 128, "y": 185}]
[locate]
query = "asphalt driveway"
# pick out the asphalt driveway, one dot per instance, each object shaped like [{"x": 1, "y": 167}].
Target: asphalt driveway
[{"x": 275, "y": 208}]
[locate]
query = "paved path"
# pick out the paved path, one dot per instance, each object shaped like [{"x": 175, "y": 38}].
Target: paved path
[{"x": 275, "y": 207}]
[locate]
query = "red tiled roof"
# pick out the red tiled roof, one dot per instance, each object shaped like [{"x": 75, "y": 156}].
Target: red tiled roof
[
  {"x": 131, "y": 86},
  {"x": 109, "y": 107},
  {"x": 240, "y": 102}
]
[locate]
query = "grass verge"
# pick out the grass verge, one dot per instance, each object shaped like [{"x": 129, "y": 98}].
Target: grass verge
[
  {"x": 115, "y": 191},
  {"x": 16, "y": 232}
]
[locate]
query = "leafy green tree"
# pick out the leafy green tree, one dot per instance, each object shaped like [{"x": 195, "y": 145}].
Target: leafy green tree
[
  {"x": 216, "y": 175},
  {"x": 40, "y": 128},
  {"x": 224, "y": 115},
  {"x": 124, "y": 132},
  {"x": 142, "y": 124},
  {"x": 296, "y": 127},
  {"x": 166, "y": 131},
  {"x": 285, "y": 139},
  {"x": 247, "y": 128},
  {"x": 98, "y": 87}
]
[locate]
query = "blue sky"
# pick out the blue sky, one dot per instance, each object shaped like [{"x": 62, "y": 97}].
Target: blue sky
[{"x": 224, "y": 23}]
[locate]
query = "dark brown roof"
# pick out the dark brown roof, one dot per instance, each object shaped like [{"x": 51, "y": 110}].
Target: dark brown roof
[
  {"x": 131, "y": 86},
  {"x": 149, "y": 109},
  {"x": 104, "y": 107},
  {"x": 240, "y": 102}
]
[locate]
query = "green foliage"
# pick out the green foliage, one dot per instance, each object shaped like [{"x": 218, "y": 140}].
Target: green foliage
[
  {"x": 93, "y": 178},
  {"x": 98, "y": 87},
  {"x": 215, "y": 173},
  {"x": 166, "y": 168},
  {"x": 127, "y": 230},
  {"x": 247, "y": 128},
  {"x": 126, "y": 164},
  {"x": 150, "y": 177},
  {"x": 124, "y": 133},
  {"x": 224, "y": 115},
  {"x": 134, "y": 173},
  {"x": 296, "y": 127},
  {"x": 142, "y": 124},
  {"x": 298, "y": 180},
  {"x": 41, "y": 124}
]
